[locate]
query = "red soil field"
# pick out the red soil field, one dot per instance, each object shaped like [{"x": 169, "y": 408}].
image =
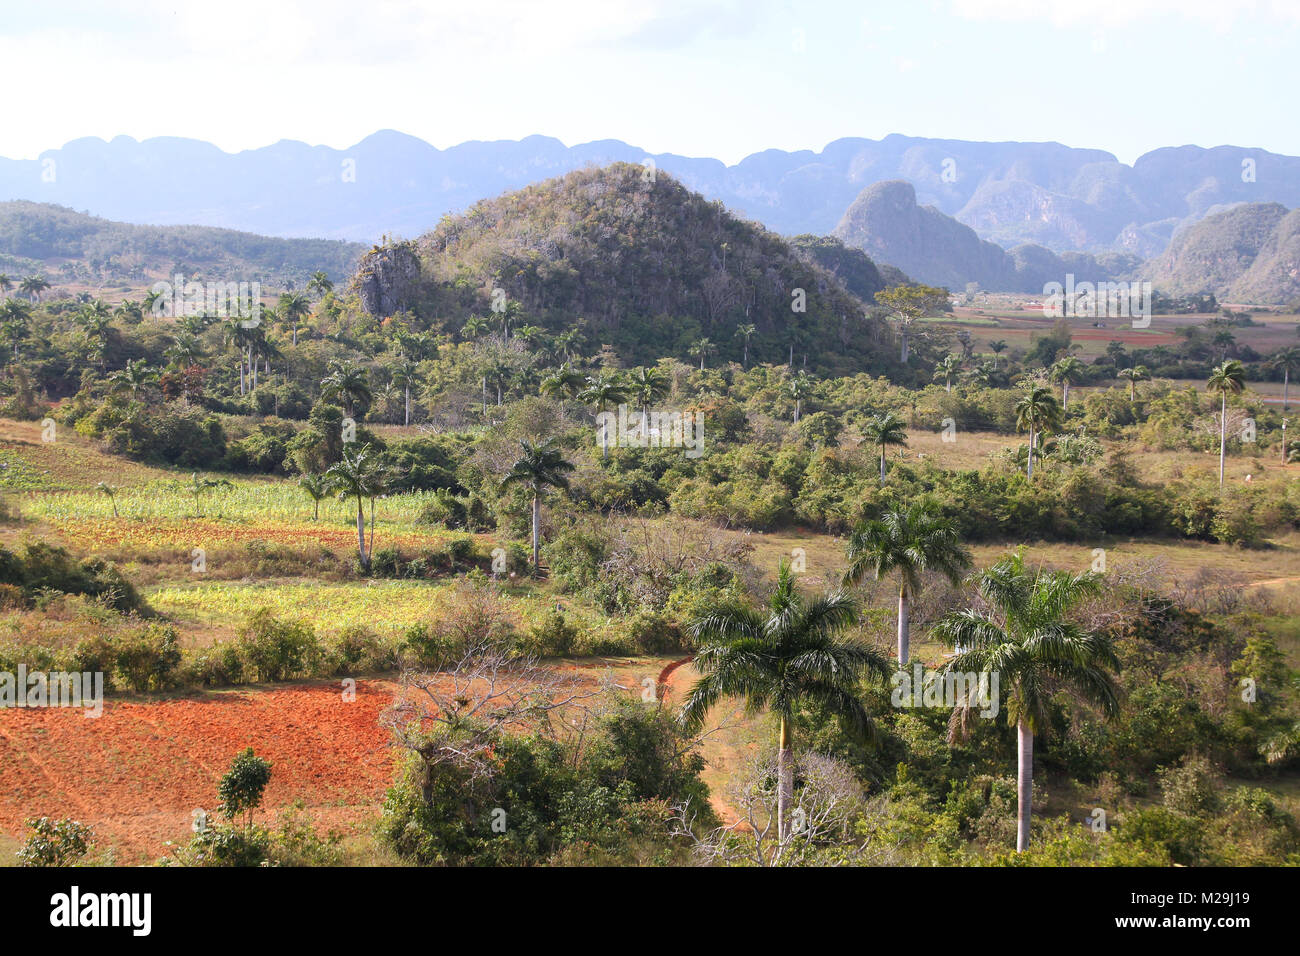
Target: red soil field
[{"x": 137, "y": 773}]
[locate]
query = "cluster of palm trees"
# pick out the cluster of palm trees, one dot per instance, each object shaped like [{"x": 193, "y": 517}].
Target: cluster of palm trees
[
  {"x": 799, "y": 650},
  {"x": 642, "y": 386}
]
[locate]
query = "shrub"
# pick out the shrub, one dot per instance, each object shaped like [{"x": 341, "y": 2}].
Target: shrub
[
  {"x": 148, "y": 657},
  {"x": 55, "y": 842},
  {"x": 277, "y": 650},
  {"x": 553, "y": 637}
]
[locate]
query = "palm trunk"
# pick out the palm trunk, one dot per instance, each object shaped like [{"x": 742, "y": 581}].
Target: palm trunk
[
  {"x": 903, "y": 357},
  {"x": 1286, "y": 383},
  {"x": 372, "y": 525},
  {"x": 785, "y": 784},
  {"x": 1223, "y": 434},
  {"x": 408, "y": 406},
  {"x": 904, "y": 625},
  {"x": 1024, "y": 784},
  {"x": 1031, "y": 452},
  {"x": 361, "y": 534},
  {"x": 536, "y": 522},
  {"x": 1131, "y": 396}
]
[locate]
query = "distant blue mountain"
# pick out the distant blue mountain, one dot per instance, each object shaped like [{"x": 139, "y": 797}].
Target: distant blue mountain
[{"x": 390, "y": 183}]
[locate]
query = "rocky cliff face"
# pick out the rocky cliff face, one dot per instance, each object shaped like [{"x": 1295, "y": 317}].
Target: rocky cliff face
[
  {"x": 388, "y": 278},
  {"x": 1246, "y": 254}
]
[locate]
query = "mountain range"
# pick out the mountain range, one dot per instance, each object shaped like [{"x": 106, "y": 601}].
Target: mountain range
[{"x": 1059, "y": 197}]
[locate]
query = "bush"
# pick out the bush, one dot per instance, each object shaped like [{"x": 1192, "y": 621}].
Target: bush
[
  {"x": 147, "y": 658},
  {"x": 554, "y": 637},
  {"x": 55, "y": 842},
  {"x": 276, "y": 650}
]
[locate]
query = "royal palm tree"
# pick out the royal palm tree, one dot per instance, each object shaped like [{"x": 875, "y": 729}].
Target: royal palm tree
[
  {"x": 319, "y": 284},
  {"x": 1068, "y": 371},
  {"x": 645, "y": 386},
  {"x": 405, "y": 374},
  {"x": 33, "y": 286},
  {"x": 15, "y": 319},
  {"x": 349, "y": 383},
  {"x": 1138, "y": 373},
  {"x": 134, "y": 378},
  {"x": 1038, "y": 413},
  {"x": 703, "y": 348},
  {"x": 1025, "y": 636},
  {"x": 292, "y": 308},
  {"x": 600, "y": 392},
  {"x": 744, "y": 332},
  {"x": 997, "y": 348},
  {"x": 910, "y": 543},
  {"x": 357, "y": 475},
  {"x": 800, "y": 387},
  {"x": 781, "y": 656},
  {"x": 539, "y": 467},
  {"x": 1288, "y": 361},
  {"x": 317, "y": 488},
  {"x": 946, "y": 369},
  {"x": 882, "y": 431},
  {"x": 1230, "y": 376},
  {"x": 566, "y": 382},
  {"x": 185, "y": 350},
  {"x": 151, "y": 300},
  {"x": 6, "y": 283}
]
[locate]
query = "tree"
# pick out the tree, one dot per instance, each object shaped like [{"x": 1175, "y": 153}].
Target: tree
[
  {"x": 645, "y": 386},
  {"x": 1230, "y": 376},
  {"x": 539, "y": 467},
  {"x": 357, "y": 475},
  {"x": 293, "y": 307},
  {"x": 564, "y": 382},
  {"x": 787, "y": 654},
  {"x": 55, "y": 842},
  {"x": 242, "y": 787},
  {"x": 405, "y": 374},
  {"x": 1288, "y": 362},
  {"x": 1068, "y": 371},
  {"x": 6, "y": 283},
  {"x": 909, "y": 303},
  {"x": 33, "y": 286},
  {"x": 347, "y": 382},
  {"x": 910, "y": 543},
  {"x": 745, "y": 331},
  {"x": 946, "y": 369},
  {"x": 1138, "y": 373},
  {"x": 15, "y": 320},
  {"x": 1038, "y": 413},
  {"x": 883, "y": 431},
  {"x": 703, "y": 348},
  {"x": 1026, "y": 637},
  {"x": 602, "y": 391},
  {"x": 317, "y": 488},
  {"x": 997, "y": 348},
  {"x": 201, "y": 485},
  {"x": 319, "y": 284},
  {"x": 134, "y": 378},
  {"x": 800, "y": 387}
]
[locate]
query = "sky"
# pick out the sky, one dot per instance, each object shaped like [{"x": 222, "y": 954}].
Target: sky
[{"x": 720, "y": 78}]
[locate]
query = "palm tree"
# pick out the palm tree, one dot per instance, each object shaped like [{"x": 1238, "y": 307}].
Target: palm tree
[
  {"x": 15, "y": 318},
  {"x": 317, "y": 488},
  {"x": 1068, "y": 371},
  {"x": 6, "y": 283},
  {"x": 405, "y": 374},
  {"x": 151, "y": 300},
  {"x": 1225, "y": 340},
  {"x": 105, "y": 488},
  {"x": 745, "y": 331},
  {"x": 946, "y": 370},
  {"x": 1138, "y": 373},
  {"x": 800, "y": 387},
  {"x": 201, "y": 485},
  {"x": 703, "y": 348},
  {"x": 134, "y": 378},
  {"x": 33, "y": 286},
  {"x": 1026, "y": 638},
  {"x": 538, "y": 468},
  {"x": 1230, "y": 376},
  {"x": 882, "y": 431},
  {"x": 319, "y": 284},
  {"x": 564, "y": 382},
  {"x": 129, "y": 310},
  {"x": 645, "y": 386},
  {"x": 1038, "y": 412},
  {"x": 778, "y": 657},
  {"x": 1288, "y": 360},
  {"x": 357, "y": 475},
  {"x": 293, "y": 307},
  {"x": 347, "y": 382},
  {"x": 910, "y": 542},
  {"x": 602, "y": 391},
  {"x": 997, "y": 348}
]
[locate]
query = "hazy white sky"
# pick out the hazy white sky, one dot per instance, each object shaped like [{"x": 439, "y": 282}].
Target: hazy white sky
[{"x": 717, "y": 78}]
